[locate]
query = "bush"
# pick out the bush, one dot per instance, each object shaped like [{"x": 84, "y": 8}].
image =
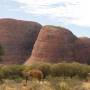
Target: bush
[
  {"x": 70, "y": 69},
  {"x": 44, "y": 67},
  {"x": 12, "y": 72},
  {"x": 57, "y": 70},
  {"x": 61, "y": 69}
]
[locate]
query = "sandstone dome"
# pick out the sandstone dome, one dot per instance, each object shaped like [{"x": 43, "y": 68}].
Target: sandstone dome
[
  {"x": 82, "y": 50},
  {"x": 17, "y": 38},
  {"x": 54, "y": 44}
]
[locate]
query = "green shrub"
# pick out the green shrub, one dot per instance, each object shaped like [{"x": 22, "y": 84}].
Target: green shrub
[
  {"x": 44, "y": 67},
  {"x": 57, "y": 70},
  {"x": 70, "y": 69},
  {"x": 12, "y": 72}
]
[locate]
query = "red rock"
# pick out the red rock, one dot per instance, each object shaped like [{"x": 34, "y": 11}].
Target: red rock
[
  {"x": 82, "y": 50},
  {"x": 54, "y": 44},
  {"x": 17, "y": 37}
]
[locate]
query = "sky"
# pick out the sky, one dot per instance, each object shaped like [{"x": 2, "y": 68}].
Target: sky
[{"x": 72, "y": 14}]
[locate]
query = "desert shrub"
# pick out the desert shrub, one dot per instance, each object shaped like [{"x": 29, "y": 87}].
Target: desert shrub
[
  {"x": 70, "y": 69},
  {"x": 61, "y": 69},
  {"x": 44, "y": 67},
  {"x": 56, "y": 70},
  {"x": 12, "y": 72}
]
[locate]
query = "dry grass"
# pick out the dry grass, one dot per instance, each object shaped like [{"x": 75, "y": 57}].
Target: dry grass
[
  {"x": 86, "y": 85},
  {"x": 48, "y": 84}
]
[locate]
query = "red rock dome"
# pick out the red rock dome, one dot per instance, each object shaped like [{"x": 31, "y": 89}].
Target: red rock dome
[
  {"x": 82, "y": 50},
  {"x": 54, "y": 44},
  {"x": 17, "y": 38}
]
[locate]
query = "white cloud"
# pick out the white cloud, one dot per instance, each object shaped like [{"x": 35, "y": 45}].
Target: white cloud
[{"x": 72, "y": 11}]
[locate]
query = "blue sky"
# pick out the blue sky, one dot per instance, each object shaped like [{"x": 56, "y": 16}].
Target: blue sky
[{"x": 73, "y": 14}]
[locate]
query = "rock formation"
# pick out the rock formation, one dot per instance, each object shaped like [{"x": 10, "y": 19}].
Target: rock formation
[
  {"x": 17, "y": 38},
  {"x": 57, "y": 44},
  {"x": 54, "y": 44},
  {"x": 82, "y": 50}
]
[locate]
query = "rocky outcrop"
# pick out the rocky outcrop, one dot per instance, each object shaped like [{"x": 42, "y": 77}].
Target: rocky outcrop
[
  {"x": 24, "y": 42},
  {"x": 82, "y": 50},
  {"x": 17, "y": 38},
  {"x": 57, "y": 44},
  {"x": 54, "y": 44}
]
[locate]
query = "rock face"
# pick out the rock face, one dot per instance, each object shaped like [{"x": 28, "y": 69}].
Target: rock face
[
  {"x": 54, "y": 44},
  {"x": 17, "y": 37},
  {"x": 82, "y": 50}
]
